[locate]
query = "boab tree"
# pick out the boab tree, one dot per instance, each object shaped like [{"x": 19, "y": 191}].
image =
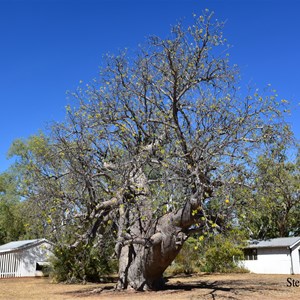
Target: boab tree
[{"x": 155, "y": 140}]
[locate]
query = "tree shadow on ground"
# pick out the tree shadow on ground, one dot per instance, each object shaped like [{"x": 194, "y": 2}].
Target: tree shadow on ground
[
  {"x": 211, "y": 287},
  {"x": 232, "y": 289},
  {"x": 216, "y": 289},
  {"x": 191, "y": 286}
]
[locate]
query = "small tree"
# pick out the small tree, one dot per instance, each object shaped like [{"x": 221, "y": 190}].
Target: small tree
[
  {"x": 152, "y": 144},
  {"x": 273, "y": 204},
  {"x": 222, "y": 255}
]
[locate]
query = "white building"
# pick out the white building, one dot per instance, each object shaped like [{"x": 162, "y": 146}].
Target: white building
[
  {"x": 273, "y": 256},
  {"x": 24, "y": 258}
]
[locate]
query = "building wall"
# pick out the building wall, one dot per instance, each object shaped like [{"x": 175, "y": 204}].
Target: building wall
[
  {"x": 274, "y": 261},
  {"x": 22, "y": 263},
  {"x": 296, "y": 259},
  {"x": 31, "y": 256}
]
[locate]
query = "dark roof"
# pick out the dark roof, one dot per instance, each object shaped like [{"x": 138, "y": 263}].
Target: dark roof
[
  {"x": 274, "y": 243},
  {"x": 17, "y": 245}
]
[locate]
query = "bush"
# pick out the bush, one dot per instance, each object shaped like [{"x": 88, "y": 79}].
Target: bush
[
  {"x": 80, "y": 264},
  {"x": 187, "y": 261},
  {"x": 215, "y": 253},
  {"x": 222, "y": 255}
]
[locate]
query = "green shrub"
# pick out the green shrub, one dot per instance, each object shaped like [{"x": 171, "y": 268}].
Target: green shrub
[
  {"x": 83, "y": 263},
  {"x": 187, "y": 261},
  {"x": 221, "y": 255},
  {"x": 214, "y": 253}
]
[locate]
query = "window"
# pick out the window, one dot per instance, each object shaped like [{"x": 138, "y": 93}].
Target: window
[{"x": 250, "y": 254}]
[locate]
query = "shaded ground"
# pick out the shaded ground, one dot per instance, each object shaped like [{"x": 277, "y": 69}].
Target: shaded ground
[{"x": 216, "y": 286}]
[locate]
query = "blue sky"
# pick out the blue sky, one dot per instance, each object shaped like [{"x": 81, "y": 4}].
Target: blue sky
[{"x": 48, "y": 46}]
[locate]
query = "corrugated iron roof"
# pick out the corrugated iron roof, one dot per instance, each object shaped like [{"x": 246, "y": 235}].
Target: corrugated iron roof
[
  {"x": 20, "y": 244},
  {"x": 271, "y": 243}
]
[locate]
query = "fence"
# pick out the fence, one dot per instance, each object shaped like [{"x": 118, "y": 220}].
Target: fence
[{"x": 10, "y": 264}]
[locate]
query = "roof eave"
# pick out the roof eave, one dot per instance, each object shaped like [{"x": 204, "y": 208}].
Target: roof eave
[
  {"x": 293, "y": 245},
  {"x": 37, "y": 242}
]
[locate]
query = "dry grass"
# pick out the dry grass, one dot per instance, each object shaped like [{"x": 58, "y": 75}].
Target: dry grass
[{"x": 216, "y": 286}]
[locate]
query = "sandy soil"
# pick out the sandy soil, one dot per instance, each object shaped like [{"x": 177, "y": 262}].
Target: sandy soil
[{"x": 203, "y": 286}]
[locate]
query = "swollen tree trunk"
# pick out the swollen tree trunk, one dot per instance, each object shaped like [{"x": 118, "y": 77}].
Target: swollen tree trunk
[
  {"x": 147, "y": 246},
  {"x": 141, "y": 267},
  {"x": 141, "y": 264}
]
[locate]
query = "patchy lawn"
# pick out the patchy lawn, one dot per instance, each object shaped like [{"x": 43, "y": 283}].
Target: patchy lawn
[{"x": 212, "y": 286}]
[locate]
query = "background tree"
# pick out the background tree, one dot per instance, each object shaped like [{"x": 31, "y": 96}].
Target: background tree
[
  {"x": 154, "y": 142},
  {"x": 273, "y": 205},
  {"x": 12, "y": 219}
]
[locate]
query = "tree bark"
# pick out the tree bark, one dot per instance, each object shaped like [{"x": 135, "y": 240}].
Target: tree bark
[{"x": 142, "y": 264}]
